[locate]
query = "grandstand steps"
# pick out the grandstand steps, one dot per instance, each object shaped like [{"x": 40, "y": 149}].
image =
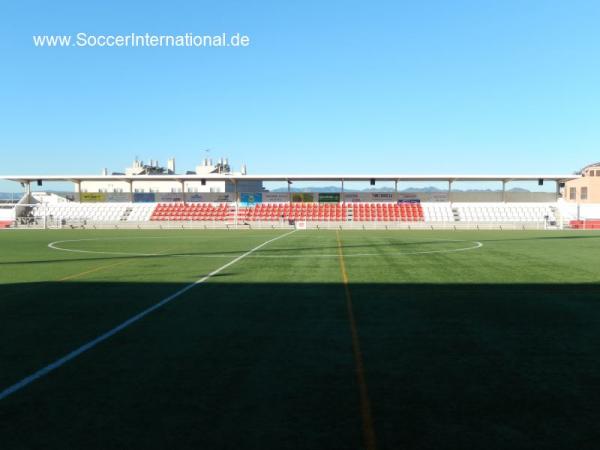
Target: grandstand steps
[
  {"x": 557, "y": 215},
  {"x": 456, "y": 214},
  {"x": 126, "y": 214}
]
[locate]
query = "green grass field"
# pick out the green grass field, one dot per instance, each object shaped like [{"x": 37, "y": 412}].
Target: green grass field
[{"x": 317, "y": 340}]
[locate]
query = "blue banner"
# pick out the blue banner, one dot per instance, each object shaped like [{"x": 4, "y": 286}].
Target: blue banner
[
  {"x": 143, "y": 197},
  {"x": 247, "y": 199}
]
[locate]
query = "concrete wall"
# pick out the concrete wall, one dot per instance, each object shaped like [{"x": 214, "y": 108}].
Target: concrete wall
[
  {"x": 572, "y": 210},
  {"x": 7, "y": 213}
]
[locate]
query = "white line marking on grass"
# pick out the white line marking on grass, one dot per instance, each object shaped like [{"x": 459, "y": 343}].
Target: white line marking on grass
[
  {"x": 93, "y": 343},
  {"x": 54, "y": 246},
  {"x": 354, "y": 255}
]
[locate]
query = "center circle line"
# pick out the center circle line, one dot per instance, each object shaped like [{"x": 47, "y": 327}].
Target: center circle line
[{"x": 54, "y": 245}]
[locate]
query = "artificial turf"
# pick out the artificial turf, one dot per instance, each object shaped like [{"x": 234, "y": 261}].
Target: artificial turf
[{"x": 463, "y": 345}]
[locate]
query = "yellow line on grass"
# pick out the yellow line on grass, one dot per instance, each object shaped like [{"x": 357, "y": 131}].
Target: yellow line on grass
[
  {"x": 365, "y": 404},
  {"x": 108, "y": 266},
  {"x": 96, "y": 269}
]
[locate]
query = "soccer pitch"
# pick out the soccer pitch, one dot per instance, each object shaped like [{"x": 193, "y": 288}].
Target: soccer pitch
[{"x": 305, "y": 339}]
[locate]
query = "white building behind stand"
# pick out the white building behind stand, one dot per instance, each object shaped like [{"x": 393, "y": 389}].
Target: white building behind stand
[{"x": 171, "y": 184}]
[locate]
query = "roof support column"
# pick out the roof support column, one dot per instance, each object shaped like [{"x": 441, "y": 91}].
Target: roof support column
[
  {"x": 450, "y": 191},
  {"x": 182, "y": 191},
  {"x": 78, "y": 190},
  {"x": 342, "y": 194},
  {"x": 504, "y": 191},
  {"x": 289, "y": 191},
  {"x": 130, "y": 190},
  {"x": 235, "y": 190}
]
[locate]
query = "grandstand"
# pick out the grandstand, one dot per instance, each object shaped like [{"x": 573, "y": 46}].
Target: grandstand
[
  {"x": 280, "y": 214},
  {"x": 148, "y": 196}
]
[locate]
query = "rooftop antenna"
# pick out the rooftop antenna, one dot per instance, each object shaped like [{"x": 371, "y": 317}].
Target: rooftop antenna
[{"x": 207, "y": 159}]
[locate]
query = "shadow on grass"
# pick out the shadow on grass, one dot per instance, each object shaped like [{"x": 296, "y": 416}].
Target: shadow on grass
[{"x": 263, "y": 366}]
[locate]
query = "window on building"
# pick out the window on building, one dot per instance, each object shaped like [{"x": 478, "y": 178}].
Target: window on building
[
  {"x": 138, "y": 190},
  {"x": 584, "y": 193},
  {"x": 102, "y": 190},
  {"x": 153, "y": 190},
  {"x": 215, "y": 189},
  {"x": 192, "y": 189},
  {"x": 174, "y": 190},
  {"x": 572, "y": 193},
  {"x": 598, "y": 173},
  {"x": 118, "y": 190}
]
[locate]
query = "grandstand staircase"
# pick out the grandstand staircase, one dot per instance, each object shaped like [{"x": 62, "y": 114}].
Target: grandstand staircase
[
  {"x": 456, "y": 214},
  {"x": 230, "y": 216},
  {"x": 126, "y": 213},
  {"x": 557, "y": 216},
  {"x": 242, "y": 218},
  {"x": 350, "y": 213}
]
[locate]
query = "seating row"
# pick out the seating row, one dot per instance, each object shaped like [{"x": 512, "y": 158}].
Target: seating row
[
  {"x": 385, "y": 212},
  {"x": 585, "y": 224},
  {"x": 494, "y": 212},
  {"x": 287, "y": 211},
  {"x": 357, "y": 212}
]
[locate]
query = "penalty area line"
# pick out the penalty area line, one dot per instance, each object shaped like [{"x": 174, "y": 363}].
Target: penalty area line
[{"x": 94, "y": 342}]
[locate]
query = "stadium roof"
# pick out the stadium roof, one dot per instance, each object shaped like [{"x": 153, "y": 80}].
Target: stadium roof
[
  {"x": 289, "y": 177},
  {"x": 596, "y": 164}
]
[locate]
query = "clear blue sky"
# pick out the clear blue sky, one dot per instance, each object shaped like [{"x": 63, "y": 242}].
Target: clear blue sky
[{"x": 325, "y": 86}]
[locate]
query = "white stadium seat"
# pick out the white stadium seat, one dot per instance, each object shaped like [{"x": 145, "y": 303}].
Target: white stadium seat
[
  {"x": 437, "y": 212},
  {"x": 505, "y": 212},
  {"x": 96, "y": 212}
]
